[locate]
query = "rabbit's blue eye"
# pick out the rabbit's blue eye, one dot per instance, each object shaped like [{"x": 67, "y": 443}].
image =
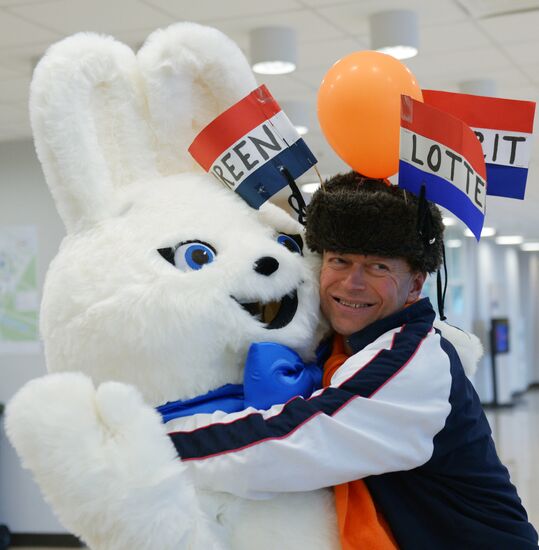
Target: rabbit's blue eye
[
  {"x": 189, "y": 255},
  {"x": 294, "y": 243},
  {"x": 193, "y": 256}
]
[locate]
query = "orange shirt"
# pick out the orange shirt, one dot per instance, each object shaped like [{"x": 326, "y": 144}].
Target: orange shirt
[{"x": 361, "y": 525}]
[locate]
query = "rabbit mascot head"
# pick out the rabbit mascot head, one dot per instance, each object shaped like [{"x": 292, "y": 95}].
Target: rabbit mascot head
[
  {"x": 127, "y": 298},
  {"x": 163, "y": 281}
]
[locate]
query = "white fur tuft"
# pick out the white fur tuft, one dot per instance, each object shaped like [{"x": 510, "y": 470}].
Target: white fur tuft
[{"x": 468, "y": 345}]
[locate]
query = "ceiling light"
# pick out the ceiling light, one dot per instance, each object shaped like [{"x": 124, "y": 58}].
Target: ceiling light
[
  {"x": 310, "y": 188},
  {"x": 485, "y": 232},
  {"x": 509, "y": 239},
  {"x": 298, "y": 114},
  {"x": 448, "y": 221},
  {"x": 530, "y": 247},
  {"x": 273, "y": 50},
  {"x": 395, "y": 32},
  {"x": 479, "y": 86},
  {"x": 453, "y": 243}
]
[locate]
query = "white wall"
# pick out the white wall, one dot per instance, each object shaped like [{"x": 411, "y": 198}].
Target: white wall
[{"x": 24, "y": 200}]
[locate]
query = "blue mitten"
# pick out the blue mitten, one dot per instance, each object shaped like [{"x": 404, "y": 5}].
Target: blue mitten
[{"x": 275, "y": 373}]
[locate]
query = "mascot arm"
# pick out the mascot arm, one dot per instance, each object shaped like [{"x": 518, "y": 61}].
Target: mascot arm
[
  {"x": 365, "y": 423},
  {"x": 103, "y": 461}
]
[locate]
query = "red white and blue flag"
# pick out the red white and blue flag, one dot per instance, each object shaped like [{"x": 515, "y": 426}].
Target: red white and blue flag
[
  {"x": 441, "y": 152},
  {"x": 504, "y": 127},
  {"x": 247, "y": 146}
]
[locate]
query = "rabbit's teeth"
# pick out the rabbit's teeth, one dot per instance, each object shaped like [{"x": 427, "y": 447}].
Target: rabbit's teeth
[{"x": 274, "y": 314}]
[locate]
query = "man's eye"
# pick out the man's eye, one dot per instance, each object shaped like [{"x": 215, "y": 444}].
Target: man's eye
[
  {"x": 189, "y": 255},
  {"x": 294, "y": 243},
  {"x": 336, "y": 261},
  {"x": 378, "y": 269}
]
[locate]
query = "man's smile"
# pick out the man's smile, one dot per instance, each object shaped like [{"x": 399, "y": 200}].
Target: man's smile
[{"x": 352, "y": 304}]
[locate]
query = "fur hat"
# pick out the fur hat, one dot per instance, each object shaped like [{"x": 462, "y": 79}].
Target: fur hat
[{"x": 359, "y": 215}]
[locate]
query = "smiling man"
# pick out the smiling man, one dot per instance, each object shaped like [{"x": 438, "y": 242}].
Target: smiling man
[
  {"x": 358, "y": 289},
  {"x": 397, "y": 427}
]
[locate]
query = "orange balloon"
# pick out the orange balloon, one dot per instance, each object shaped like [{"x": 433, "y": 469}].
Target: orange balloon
[{"x": 359, "y": 110}]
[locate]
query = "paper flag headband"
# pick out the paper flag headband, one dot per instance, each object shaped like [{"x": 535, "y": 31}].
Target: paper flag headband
[
  {"x": 504, "y": 128},
  {"x": 247, "y": 147},
  {"x": 464, "y": 147}
]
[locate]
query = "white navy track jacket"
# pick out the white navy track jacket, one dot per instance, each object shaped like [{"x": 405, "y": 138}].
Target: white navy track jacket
[{"x": 401, "y": 414}]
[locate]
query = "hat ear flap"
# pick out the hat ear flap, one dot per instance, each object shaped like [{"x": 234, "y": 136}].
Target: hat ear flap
[
  {"x": 89, "y": 124},
  {"x": 192, "y": 74}
]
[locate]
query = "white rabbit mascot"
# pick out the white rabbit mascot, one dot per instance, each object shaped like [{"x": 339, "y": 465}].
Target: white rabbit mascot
[{"x": 128, "y": 327}]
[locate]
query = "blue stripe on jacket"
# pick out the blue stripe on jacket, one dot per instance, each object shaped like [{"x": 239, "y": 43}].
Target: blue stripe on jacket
[{"x": 221, "y": 438}]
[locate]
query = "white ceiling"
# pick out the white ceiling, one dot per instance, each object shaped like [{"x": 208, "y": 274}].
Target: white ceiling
[{"x": 460, "y": 40}]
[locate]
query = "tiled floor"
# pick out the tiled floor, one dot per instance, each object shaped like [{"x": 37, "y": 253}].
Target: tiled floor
[{"x": 516, "y": 433}]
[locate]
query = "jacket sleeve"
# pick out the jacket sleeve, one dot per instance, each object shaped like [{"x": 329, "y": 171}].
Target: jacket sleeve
[{"x": 380, "y": 414}]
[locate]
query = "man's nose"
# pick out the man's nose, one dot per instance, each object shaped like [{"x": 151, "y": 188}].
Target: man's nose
[{"x": 356, "y": 277}]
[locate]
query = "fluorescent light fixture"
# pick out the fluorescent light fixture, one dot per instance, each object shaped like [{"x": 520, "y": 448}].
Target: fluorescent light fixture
[
  {"x": 530, "y": 247},
  {"x": 509, "y": 239},
  {"x": 399, "y": 52},
  {"x": 298, "y": 113},
  {"x": 310, "y": 188},
  {"x": 448, "y": 221},
  {"x": 485, "y": 232},
  {"x": 453, "y": 243},
  {"x": 273, "y": 50},
  {"x": 274, "y": 67},
  {"x": 395, "y": 32}
]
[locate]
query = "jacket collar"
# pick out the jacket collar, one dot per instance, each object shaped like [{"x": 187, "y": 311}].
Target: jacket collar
[{"x": 421, "y": 309}]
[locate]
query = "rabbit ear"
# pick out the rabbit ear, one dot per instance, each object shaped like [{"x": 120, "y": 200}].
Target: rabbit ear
[
  {"x": 90, "y": 125},
  {"x": 192, "y": 74}
]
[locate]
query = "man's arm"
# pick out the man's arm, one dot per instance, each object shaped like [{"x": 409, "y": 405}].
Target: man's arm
[{"x": 380, "y": 414}]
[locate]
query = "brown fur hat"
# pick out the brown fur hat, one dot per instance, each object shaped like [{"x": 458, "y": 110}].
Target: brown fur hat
[{"x": 358, "y": 215}]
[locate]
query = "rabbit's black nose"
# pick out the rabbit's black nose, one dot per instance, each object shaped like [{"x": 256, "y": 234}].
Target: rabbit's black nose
[{"x": 266, "y": 265}]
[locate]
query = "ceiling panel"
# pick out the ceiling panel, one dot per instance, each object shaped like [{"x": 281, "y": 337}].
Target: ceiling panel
[
  {"x": 284, "y": 88},
  {"x": 15, "y": 90},
  {"x": 523, "y": 53},
  {"x": 324, "y": 53},
  {"x": 205, "y": 10},
  {"x": 490, "y": 8},
  {"x": 456, "y": 43},
  {"x": 464, "y": 64},
  {"x": 97, "y": 15},
  {"x": 12, "y": 112},
  {"x": 312, "y": 77},
  {"x": 521, "y": 27},
  {"x": 353, "y": 17},
  {"x": 309, "y": 25},
  {"x": 7, "y": 3},
  {"x": 440, "y": 38},
  {"x": 512, "y": 76},
  {"x": 532, "y": 72},
  {"x": 7, "y": 72},
  {"x": 15, "y": 31}
]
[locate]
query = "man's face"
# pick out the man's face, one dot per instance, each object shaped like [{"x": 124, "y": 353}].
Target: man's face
[{"x": 356, "y": 290}]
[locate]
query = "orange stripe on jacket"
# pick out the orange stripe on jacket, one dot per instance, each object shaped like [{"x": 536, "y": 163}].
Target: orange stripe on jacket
[{"x": 361, "y": 525}]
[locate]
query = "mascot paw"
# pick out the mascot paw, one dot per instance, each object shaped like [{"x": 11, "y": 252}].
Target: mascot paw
[{"x": 103, "y": 459}]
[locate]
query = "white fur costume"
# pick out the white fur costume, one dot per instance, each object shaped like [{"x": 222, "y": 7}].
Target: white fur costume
[{"x": 112, "y": 131}]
